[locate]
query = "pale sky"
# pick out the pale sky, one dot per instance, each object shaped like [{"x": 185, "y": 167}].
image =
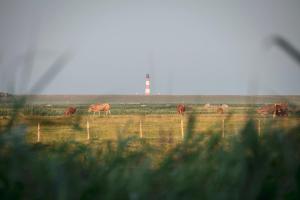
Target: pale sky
[{"x": 188, "y": 47}]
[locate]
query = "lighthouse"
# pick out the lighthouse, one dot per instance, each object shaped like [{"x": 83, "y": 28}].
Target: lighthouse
[{"x": 147, "y": 89}]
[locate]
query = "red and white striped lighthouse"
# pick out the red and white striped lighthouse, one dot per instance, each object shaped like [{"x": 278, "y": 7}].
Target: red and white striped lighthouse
[{"x": 147, "y": 89}]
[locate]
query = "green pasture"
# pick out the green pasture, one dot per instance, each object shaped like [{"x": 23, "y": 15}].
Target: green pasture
[
  {"x": 156, "y": 127},
  {"x": 124, "y": 109},
  {"x": 138, "y": 152}
]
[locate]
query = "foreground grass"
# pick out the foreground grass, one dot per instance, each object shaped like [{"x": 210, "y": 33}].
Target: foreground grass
[{"x": 243, "y": 166}]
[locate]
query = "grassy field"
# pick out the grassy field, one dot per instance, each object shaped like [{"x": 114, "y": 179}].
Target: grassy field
[
  {"x": 157, "y": 122},
  {"x": 262, "y": 162}
]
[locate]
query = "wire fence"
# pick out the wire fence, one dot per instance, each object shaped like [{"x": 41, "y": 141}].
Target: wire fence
[{"x": 150, "y": 128}]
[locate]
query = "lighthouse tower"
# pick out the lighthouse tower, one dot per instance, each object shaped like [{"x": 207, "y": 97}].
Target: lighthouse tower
[{"x": 147, "y": 89}]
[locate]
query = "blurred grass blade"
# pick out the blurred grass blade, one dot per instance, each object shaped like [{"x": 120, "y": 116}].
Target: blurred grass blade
[
  {"x": 287, "y": 47},
  {"x": 48, "y": 76}
]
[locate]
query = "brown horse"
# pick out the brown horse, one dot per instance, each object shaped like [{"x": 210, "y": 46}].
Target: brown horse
[
  {"x": 180, "y": 109},
  {"x": 70, "y": 111},
  {"x": 220, "y": 110},
  {"x": 100, "y": 107},
  {"x": 265, "y": 110},
  {"x": 278, "y": 109},
  {"x": 281, "y": 110}
]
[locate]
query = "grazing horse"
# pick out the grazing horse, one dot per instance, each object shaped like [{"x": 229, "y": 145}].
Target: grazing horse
[
  {"x": 280, "y": 110},
  {"x": 224, "y": 106},
  {"x": 100, "y": 107},
  {"x": 180, "y": 109},
  {"x": 220, "y": 110},
  {"x": 207, "y": 105},
  {"x": 265, "y": 110},
  {"x": 70, "y": 111}
]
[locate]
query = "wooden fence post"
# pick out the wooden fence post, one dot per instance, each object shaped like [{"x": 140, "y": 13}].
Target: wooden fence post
[
  {"x": 258, "y": 127},
  {"x": 141, "y": 129},
  {"x": 181, "y": 126},
  {"x": 38, "y": 132},
  {"x": 88, "y": 129},
  {"x": 223, "y": 128}
]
